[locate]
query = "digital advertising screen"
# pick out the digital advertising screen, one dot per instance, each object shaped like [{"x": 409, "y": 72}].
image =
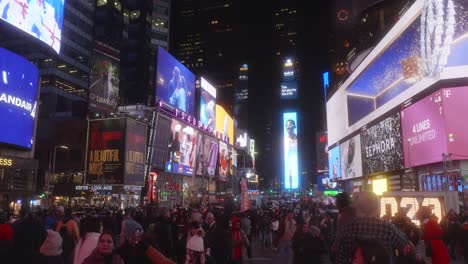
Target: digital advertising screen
[
  {"x": 40, "y": 18},
  {"x": 175, "y": 84},
  {"x": 135, "y": 153},
  {"x": 324, "y": 183},
  {"x": 223, "y": 161},
  {"x": 334, "y": 164},
  {"x": 241, "y": 138},
  {"x": 414, "y": 57},
  {"x": 19, "y": 80},
  {"x": 208, "y": 104},
  {"x": 106, "y": 159},
  {"x": 104, "y": 82},
  {"x": 208, "y": 157},
  {"x": 288, "y": 90},
  {"x": 455, "y": 106},
  {"x": 224, "y": 123},
  {"x": 162, "y": 133},
  {"x": 382, "y": 146},
  {"x": 182, "y": 149},
  {"x": 350, "y": 156},
  {"x": 321, "y": 151},
  {"x": 291, "y": 161}
]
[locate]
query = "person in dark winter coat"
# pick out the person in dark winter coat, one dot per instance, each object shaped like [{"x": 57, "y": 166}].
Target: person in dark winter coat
[
  {"x": 104, "y": 253},
  {"x": 163, "y": 233},
  {"x": 28, "y": 238},
  {"x": 307, "y": 246}
]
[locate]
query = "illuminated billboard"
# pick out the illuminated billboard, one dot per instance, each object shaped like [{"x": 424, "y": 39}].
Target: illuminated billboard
[
  {"x": 175, "y": 84},
  {"x": 223, "y": 161},
  {"x": 291, "y": 163},
  {"x": 104, "y": 82},
  {"x": 431, "y": 127},
  {"x": 289, "y": 90},
  {"x": 350, "y": 156},
  {"x": 208, "y": 156},
  {"x": 321, "y": 153},
  {"x": 414, "y": 55},
  {"x": 334, "y": 165},
  {"x": 135, "y": 153},
  {"x": 18, "y": 93},
  {"x": 288, "y": 69},
  {"x": 224, "y": 123},
  {"x": 40, "y": 19},
  {"x": 182, "y": 149},
  {"x": 382, "y": 146},
  {"x": 208, "y": 104},
  {"x": 241, "y": 138}
]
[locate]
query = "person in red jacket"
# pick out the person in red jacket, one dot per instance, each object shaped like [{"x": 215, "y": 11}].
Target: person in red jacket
[{"x": 433, "y": 238}]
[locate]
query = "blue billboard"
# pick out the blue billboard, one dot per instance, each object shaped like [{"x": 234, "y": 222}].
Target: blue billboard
[
  {"x": 291, "y": 164},
  {"x": 422, "y": 52},
  {"x": 18, "y": 93},
  {"x": 208, "y": 104},
  {"x": 182, "y": 148},
  {"x": 334, "y": 165},
  {"x": 175, "y": 84},
  {"x": 40, "y": 18}
]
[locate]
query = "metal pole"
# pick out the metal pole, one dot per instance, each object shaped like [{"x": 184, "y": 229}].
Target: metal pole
[{"x": 53, "y": 161}]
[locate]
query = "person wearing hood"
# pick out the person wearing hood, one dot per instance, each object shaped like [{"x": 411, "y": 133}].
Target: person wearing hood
[
  {"x": 136, "y": 251},
  {"x": 89, "y": 241},
  {"x": 239, "y": 239},
  {"x": 104, "y": 253},
  {"x": 195, "y": 248},
  {"x": 51, "y": 248}
]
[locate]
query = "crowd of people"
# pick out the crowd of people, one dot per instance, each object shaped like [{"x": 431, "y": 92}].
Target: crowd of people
[{"x": 345, "y": 231}]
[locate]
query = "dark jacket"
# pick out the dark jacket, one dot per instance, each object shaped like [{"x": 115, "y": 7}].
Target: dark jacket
[
  {"x": 97, "y": 258},
  {"x": 307, "y": 248},
  {"x": 163, "y": 236},
  {"x": 133, "y": 255}
]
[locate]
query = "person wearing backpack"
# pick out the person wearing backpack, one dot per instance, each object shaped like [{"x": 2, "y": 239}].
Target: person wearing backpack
[{"x": 69, "y": 231}]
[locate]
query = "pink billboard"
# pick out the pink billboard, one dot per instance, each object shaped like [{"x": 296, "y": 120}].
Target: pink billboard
[{"x": 432, "y": 127}]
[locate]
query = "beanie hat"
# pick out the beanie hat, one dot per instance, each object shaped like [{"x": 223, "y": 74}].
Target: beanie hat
[
  {"x": 6, "y": 232},
  {"x": 52, "y": 246},
  {"x": 131, "y": 227},
  {"x": 195, "y": 243}
]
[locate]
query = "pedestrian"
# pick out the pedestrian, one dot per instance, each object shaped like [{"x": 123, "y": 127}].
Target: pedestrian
[
  {"x": 368, "y": 225},
  {"x": 369, "y": 252},
  {"x": 433, "y": 238},
  {"x": 163, "y": 233},
  {"x": 195, "y": 253},
  {"x": 286, "y": 232},
  {"x": 6, "y": 243},
  {"x": 69, "y": 232},
  {"x": 51, "y": 248},
  {"x": 307, "y": 246},
  {"x": 89, "y": 241},
  {"x": 238, "y": 241},
  {"x": 246, "y": 225},
  {"x": 104, "y": 253}
]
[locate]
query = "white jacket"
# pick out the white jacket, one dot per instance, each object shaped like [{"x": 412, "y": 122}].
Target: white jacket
[{"x": 85, "y": 247}]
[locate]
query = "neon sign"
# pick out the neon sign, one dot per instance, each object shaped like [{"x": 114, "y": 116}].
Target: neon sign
[{"x": 410, "y": 206}]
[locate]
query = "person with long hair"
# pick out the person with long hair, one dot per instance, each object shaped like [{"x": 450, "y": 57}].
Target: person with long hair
[{"x": 104, "y": 253}]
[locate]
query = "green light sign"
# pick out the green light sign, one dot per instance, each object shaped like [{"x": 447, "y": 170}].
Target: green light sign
[{"x": 330, "y": 192}]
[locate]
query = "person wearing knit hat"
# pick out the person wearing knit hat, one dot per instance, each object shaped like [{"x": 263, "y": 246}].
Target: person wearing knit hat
[{"x": 134, "y": 231}]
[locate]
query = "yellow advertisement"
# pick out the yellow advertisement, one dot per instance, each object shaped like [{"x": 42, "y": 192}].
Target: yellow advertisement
[{"x": 224, "y": 123}]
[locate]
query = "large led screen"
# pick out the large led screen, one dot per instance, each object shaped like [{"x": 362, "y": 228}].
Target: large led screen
[
  {"x": 350, "y": 156},
  {"x": 175, "y": 84},
  {"x": 182, "y": 149},
  {"x": 104, "y": 82},
  {"x": 106, "y": 157},
  {"x": 291, "y": 163},
  {"x": 135, "y": 153},
  {"x": 289, "y": 90},
  {"x": 321, "y": 153},
  {"x": 18, "y": 93},
  {"x": 223, "y": 161},
  {"x": 241, "y": 138},
  {"x": 40, "y": 18},
  {"x": 224, "y": 123},
  {"x": 382, "y": 146},
  {"x": 455, "y": 103},
  {"x": 208, "y": 157},
  {"x": 435, "y": 44},
  {"x": 334, "y": 165},
  {"x": 162, "y": 133},
  {"x": 208, "y": 104}
]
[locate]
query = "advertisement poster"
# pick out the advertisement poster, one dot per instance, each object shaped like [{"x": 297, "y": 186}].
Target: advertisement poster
[
  {"x": 223, "y": 161},
  {"x": 245, "y": 199},
  {"x": 136, "y": 153},
  {"x": 208, "y": 104},
  {"x": 161, "y": 137},
  {"x": 208, "y": 157},
  {"x": 224, "y": 123},
  {"x": 241, "y": 139},
  {"x": 455, "y": 107},
  {"x": 288, "y": 90},
  {"x": 324, "y": 183},
  {"x": 106, "y": 151},
  {"x": 351, "y": 161},
  {"x": 175, "y": 84},
  {"x": 381, "y": 146},
  {"x": 423, "y": 129},
  {"x": 321, "y": 146},
  {"x": 334, "y": 164},
  {"x": 18, "y": 93},
  {"x": 182, "y": 148},
  {"x": 291, "y": 164},
  {"x": 41, "y": 19},
  {"x": 104, "y": 82}
]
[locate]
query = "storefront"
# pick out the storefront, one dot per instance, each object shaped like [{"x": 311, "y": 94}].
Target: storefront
[
  {"x": 17, "y": 182},
  {"x": 169, "y": 189}
]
